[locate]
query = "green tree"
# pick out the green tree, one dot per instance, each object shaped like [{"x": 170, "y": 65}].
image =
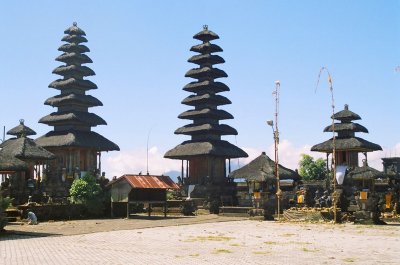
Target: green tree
[
  {"x": 85, "y": 189},
  {"x": 310, "y": 169}
]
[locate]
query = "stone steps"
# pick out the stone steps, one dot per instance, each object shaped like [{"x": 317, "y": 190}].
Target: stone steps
[{"x": 13, "y": 215}]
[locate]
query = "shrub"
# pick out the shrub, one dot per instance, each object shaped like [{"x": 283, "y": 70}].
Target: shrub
[
  {"x": 4, "y": 204},
  {"x": 89, "y": 193},
  {"x": 84, "y": 189}
]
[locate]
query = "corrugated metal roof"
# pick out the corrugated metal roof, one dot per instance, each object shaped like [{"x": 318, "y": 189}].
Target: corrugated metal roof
[{"x": 149, "y": 182}]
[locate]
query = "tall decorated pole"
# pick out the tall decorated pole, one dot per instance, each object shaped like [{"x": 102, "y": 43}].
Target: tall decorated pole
[
  {"x": 275, "y": 132},
  {"x": 333, "y": 164}
]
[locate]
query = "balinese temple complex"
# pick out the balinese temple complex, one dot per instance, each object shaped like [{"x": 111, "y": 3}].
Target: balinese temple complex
[
  {"x": 347, "y": 145},
  {"x": 205, "y": 157},
  {"x": 77, "y": 147}
]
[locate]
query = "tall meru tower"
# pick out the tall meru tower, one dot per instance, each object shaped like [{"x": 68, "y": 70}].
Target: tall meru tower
[
  {"x": 206, "y": 154},
  {"x": 77, "y": 147}
]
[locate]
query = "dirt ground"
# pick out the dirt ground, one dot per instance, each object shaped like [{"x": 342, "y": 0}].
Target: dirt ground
[{"x": 78, "y": 227}]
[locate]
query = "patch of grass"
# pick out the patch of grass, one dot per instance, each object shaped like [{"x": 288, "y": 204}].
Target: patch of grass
[
  {"x": 309, "y": 250},
  {"x": 349, "y": 260},
  {"x": 270, "y": 242},
  {"x": 300, "y": 242},
  {"x": 236, "y": 245},
  {"x": 178, "y": 257},
  {"x": 260, "y": 252},
  {"x": 288, "y": 234},
  {"x": 221, "y": 250},
  {"x": 194, "y": 255},
  {"x": 209, "y": 238}
]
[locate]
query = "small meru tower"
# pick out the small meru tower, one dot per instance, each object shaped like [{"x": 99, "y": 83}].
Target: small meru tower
[
  {"x": 77, "y": 147},
  {"x": 347, "y": 145},
  {"x": 206, "y": 154}
]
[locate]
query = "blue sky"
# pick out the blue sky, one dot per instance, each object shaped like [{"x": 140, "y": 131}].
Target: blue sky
[{"x": 140, "y": 51}]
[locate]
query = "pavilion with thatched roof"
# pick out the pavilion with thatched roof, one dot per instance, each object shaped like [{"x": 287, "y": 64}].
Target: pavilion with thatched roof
[
  {"x": 77, "y": 147},
  {"x": 262, "y": 169},
  {"x": 260, "y": 176},
  {"x": 206, "y": 154},
  {"x": 24, "y": 161}
]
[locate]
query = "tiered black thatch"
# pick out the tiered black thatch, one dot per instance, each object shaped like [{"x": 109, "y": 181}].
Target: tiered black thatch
[
  {"x": 365, "y": 172},
  {"x": 346, "y": 139},
  {"x": 72, "y": 122},
  {"x": 26, "y": 149},
  {"x": 261, "y": 169},
  {"x": 16, "y": 152},
  {"x": 21, "y": 129},
  {"x": 206, "y": 131},
  {"x": 18, "y": 131}
]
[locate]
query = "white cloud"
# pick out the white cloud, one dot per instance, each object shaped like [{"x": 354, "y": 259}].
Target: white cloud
[
  {"x": 374, "y": 158},
  {"x": 288, "y": 154},
  {"x": 135, "y": 161}
]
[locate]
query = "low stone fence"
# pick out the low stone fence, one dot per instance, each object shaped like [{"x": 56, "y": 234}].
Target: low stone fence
[{"x": 56, "y": 211}]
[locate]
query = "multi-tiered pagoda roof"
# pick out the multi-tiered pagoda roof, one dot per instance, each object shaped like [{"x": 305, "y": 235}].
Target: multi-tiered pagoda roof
[
  {"x": 15, "y": 152},
  {"x": 205, "y": 129},
  {"x": 346, "y": 139},
  {"x": 72, "y": 121}
]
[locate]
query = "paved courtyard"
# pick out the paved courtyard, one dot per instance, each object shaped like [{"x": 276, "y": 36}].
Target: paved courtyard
[{"x": 232, "y": 242}]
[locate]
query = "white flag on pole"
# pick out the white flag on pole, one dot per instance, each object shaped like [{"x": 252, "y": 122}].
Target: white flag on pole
[
  {"x": 340, "y": 172},
  {"x": 190, "y": 189}
]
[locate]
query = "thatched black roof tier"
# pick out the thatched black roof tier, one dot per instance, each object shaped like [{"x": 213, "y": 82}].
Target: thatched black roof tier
[
  {"x": 262, "y": 169},
  {"x": 206, "y": 73},
  {"x": 206, "y": 48},
  {"x": 206, "y": 35},
  {"x": 206, "y": 113},
  {"x": 10, "y": 163},
  {"x": 21, "y": 129},
  {"x": 72, "y": 47},
  {"x": 75, "y": 99},
  {"x": 194, "y": 100},
  {"x": 73, "y": 70},
  {"x": 75, "y": 117},
  {"x": 5, "y": 142},
  {"x": 26, "y": 149},
  {"x": 351, "y": 127},
  {"x": 346, "y": 144},
  {"x": 365, "y": 172},
  {"x": 346, "y": 115},
  {"x": 74, "y": 30},
  {"x": 73, "y": 83},
  {"x": 219, "y": 148},
  {"x": 206, "y": 86},
  {"x": 73, "y": 138},
  {"x": 74, "y": 58},
  {"x": 206, "y": 59},
  {"x": 74, "y": 39},
  {"x": 219, "y": 129}
]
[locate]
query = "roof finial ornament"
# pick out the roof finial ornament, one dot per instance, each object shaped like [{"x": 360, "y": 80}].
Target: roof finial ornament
[
  {"x": 205, "y": 27},
  {"x": 21, "y": 121},
  {"x": 75, "y": 24},
  {"x": 346, "y": 106}
]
